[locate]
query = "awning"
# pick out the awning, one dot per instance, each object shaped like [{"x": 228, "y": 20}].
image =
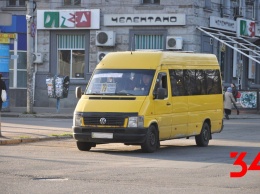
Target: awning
[{"x": 239, "y": 44}]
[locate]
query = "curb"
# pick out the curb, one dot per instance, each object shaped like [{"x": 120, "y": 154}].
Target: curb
[
  {"x": 30, "y": 140},
  {"x": 38, "y": 116}
]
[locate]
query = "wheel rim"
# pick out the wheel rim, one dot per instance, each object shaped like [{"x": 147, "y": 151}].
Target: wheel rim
[
  {"x": 205, "y": 134},
  {"x": 152, "y": 138}
]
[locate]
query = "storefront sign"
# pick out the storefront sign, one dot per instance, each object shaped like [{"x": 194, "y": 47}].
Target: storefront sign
[
  {"x": 245, "y": 27},
  {"x": 4, "y": 50},
  {"x": 5, "y": 38},
  {"x": 4, "y": 57},
  {"x": 68, "y": 19},
  {"x": 7, "y": 35},
  {"x": 222, "y": 23},
  {"x": 144, "y": 19}
]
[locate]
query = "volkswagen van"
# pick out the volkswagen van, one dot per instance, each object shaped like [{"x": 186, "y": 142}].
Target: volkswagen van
[{"x": 181, "y": 99}]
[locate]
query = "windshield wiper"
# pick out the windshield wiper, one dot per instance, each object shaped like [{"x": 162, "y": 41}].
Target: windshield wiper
[
  {"x": 124, "y": 93},
  {"x": 93, "y": 94}
]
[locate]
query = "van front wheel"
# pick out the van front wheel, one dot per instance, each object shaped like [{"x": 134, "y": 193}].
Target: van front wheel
[
  {"x": 203, "y": 138},
  {"x": 151, "y": 141},
  {"x": 84, "y": 146}
]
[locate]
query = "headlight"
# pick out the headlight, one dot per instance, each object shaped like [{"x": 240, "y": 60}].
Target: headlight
[
  {"x": 136, "y": 121},
  {"x": 77, "y": 120}
]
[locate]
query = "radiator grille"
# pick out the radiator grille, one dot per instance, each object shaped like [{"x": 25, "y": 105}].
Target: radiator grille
[{"x": 95, "y": 120}]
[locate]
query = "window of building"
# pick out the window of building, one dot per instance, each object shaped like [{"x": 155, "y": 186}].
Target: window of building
[
  {"x": 18, "y": 73},
  {"x": 15, "y": 3},
  {"x": 208, "y": 4},
  {"x": 150, "y": 1},
  {"x": 146, "y": 40},
  {"x": 71, "y": 55},
  {"x": 149, "y": 42},
  {"x": 239, "y": 7},
  {"x": 72, "y": 2},
  {"x": 226, "y": 7},
  {"x": 250, "y": 11}
]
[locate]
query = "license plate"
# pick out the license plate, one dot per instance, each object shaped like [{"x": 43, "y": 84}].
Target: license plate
[{"x": 102, "y": 135}]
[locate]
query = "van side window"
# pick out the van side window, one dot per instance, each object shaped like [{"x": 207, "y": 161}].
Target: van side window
[
  {"x": 177, "y": 83},
  {"x": 161, "y": 82},
  {"x": 195, "y": 82},
  {"x": 213, "y": 82},
  {"x": 164, "y": 84}
]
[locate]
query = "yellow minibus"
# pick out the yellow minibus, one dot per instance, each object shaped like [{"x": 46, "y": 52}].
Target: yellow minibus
[{"x": 144, "y": 97}]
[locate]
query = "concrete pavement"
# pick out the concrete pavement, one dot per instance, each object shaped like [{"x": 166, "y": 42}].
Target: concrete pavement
[{"x": 12, "y": 135}]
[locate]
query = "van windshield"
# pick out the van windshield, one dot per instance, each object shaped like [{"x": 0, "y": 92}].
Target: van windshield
[{"x": 120, "y": 82}]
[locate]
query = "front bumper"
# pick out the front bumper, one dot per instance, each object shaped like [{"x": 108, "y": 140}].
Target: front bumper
[{"x": 120, "y": 135}]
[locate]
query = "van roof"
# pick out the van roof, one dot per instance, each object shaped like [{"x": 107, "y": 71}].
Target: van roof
[{"x": 153, "y": 59}]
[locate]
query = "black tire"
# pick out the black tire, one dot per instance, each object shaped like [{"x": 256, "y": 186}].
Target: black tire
[
  {"x": 84, "y": 146},
  {"x": 152, "y": 140},
  {"x": 203, "y": 138}
]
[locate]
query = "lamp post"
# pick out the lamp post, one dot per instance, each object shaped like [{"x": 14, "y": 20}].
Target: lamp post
[{"x": 30, "y": 69}]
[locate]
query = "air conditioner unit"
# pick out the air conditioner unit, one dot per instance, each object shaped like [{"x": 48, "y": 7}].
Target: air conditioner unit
[
  {"x": 100, "y": 56},
  {"x": 174, "y": 43},
  {"x": 37, "y": 58},
  {"x": 105, "y": 38}
]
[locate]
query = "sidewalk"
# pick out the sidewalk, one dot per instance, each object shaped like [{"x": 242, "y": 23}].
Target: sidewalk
[{"x": 12, "y": 135}]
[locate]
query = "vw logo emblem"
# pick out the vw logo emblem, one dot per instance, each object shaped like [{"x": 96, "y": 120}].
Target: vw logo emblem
[{"x": 103, "y": 121}]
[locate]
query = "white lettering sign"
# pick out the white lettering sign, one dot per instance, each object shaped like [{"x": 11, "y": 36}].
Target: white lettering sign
[
  {"x": 222, "y": 23},
  {"x": 144, "y": 19}
]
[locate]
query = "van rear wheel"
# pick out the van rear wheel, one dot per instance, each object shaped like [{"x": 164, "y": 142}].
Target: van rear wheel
[
  {"x": 203, "y": 138},
  {"x": 151, "y": 141},
  {"x": 84, "y": 146}
]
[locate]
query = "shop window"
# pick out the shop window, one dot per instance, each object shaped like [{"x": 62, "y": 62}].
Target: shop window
[
  {"x": 71, "y": 55},
  {"x": 15, "y": 3},
  {"x": 72, "y": 2},
  {"x": 150, "y": 1},
  {"x": 18, "y": 72}
]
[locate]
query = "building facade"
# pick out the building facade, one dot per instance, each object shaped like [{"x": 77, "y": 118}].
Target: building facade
[{"x": 70, "y": 37}]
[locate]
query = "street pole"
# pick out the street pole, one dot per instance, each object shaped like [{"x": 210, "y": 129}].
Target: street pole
[{"x": 30, "y": 69}]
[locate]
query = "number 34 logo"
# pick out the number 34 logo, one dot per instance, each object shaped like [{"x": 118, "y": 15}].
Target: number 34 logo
[{"x": 240, "y": 162}]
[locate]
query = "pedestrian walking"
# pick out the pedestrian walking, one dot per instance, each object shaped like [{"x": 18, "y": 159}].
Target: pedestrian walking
[
  {"x": 235, "y": 93},
  {"x": 2, "y": 87},
  {"x": 228, "y": 100}
]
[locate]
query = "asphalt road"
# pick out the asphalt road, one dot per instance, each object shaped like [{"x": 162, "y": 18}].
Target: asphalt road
[{"x": 179, "y": 166}]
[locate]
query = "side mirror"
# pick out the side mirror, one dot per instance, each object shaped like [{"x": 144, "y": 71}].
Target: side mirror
[
  {"x": 161, "y": 93},
  {"x": 78, "y": 92}
]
